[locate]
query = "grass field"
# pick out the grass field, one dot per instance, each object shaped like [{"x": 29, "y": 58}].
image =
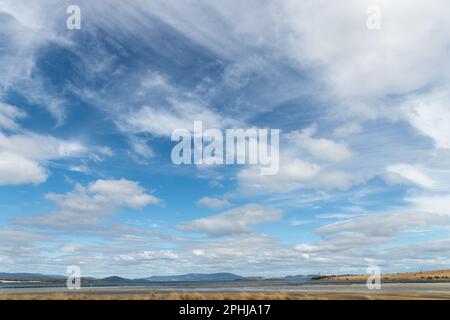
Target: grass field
[{"x": 435, "y": 275}]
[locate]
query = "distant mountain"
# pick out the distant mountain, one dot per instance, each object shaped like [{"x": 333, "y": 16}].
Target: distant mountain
[
  {"x": 299, "y": 277},
  {"x": 296, "y": 278},
  {"x": 197, "y": 277},
  {"x": 28, "y": 276},
  {"x": 119, "y": 281},
  {"x": 114, "y": 280}
]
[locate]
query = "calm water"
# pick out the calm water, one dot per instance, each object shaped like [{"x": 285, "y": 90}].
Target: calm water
[
  {"x": 249, "y": 286},
  {"x": 170, "y": 284}
]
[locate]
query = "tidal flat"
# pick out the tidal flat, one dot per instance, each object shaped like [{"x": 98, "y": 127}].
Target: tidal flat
[{"x": 217, "y": 291}]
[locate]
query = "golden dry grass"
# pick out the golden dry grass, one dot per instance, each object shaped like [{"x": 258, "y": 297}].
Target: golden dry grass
[
  {"x": 232, "y": 296},
  {"x": 436, "y": 275}
]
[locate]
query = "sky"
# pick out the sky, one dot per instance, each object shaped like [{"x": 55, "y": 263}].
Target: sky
[{"x": 86, "y": 117}]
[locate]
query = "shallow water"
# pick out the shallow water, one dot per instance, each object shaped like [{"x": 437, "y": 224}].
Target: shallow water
[{"x": 273, "y": 286}]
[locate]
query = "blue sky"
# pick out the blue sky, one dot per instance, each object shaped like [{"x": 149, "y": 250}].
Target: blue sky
[{"x": 86, "y": 176}]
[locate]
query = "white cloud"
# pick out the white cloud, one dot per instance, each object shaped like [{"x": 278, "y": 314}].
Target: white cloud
[
  {"x": 80, "y": 168},
  {"x": 106, "y": 151},
  {"x": 20, "y": 247},
  {"x": 430, "y": 115},
  {"x": 24, "y": 156},
  {"x": 162, "y": 121},
  {"x": 198, "y": 252},
  {"x": 214, "y": 203},
  {"x": 16, "y": 169},
  {"x": 87, "y": 206},
  {"x": 157, "y": 81},
  {"x": 40, "y": 147},
  {"x": 26, "y": 28},
  {"x": 140, "y": 149},
  {"x": 234, "y": 221},
  {"x": 376, "y": 235},
  {"x": 349, "y": 55},
  {"x": 158, "y": 254},
  {"x": 295, "y": 222},
  {"x": 20, "y": 236},
  {"x": 348, "y": 129},
  {"x": 374, "y": 54},
  {"x": 122, "y": 192},
  {"x": 383, "y": 225},
  {"x": 356, "y": 69},
  {"x": 336, "y": 215},
  {"x": 357, "y": 237},
  {"x": 295, "y": 174},
  {"x": 71, "y": 248},
  {"x": 434, "y": 203},
  {"x": 401, "y": 173},
  {"x": 8, "y": 116},
  {"x": 324, "y": 149}
]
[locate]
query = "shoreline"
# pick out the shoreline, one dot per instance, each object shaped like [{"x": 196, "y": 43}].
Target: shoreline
[
  {"x": 235, "y": 296},
  {"x": 306, "y": 291}
]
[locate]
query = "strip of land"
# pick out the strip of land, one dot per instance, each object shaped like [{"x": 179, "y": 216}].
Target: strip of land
[
  {"x": 399, "y": 286},
  {"x": 328, "y": 291},
  {"x": 236, "y": 296},
  {"x": 435, "y": 275}
]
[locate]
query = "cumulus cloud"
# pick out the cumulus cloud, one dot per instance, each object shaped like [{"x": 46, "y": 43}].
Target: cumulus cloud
[
  {"x": 234, "y": 221},
  {"x": 306, "y": 161},
  {"x": 325, "y": 149},
  {"x": 87, "y": 206},
  {"x": 360, "y": 236},
  {"x": 382, "y": 226},
  {"x": 430, "y": 115},
  {"x": 24, "y": 156},
  {"x": 16, "y": 170},
  {"x": 295, "y": 174},
  {"x": 21, "y": 247},
  {"x": 214, "y": 203},
  {"x": 40, "y": 147},
  {"x": 122, "y": 192},
  {"x": 355, "y": 244},
  {"x": 342, "y": 29}
]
